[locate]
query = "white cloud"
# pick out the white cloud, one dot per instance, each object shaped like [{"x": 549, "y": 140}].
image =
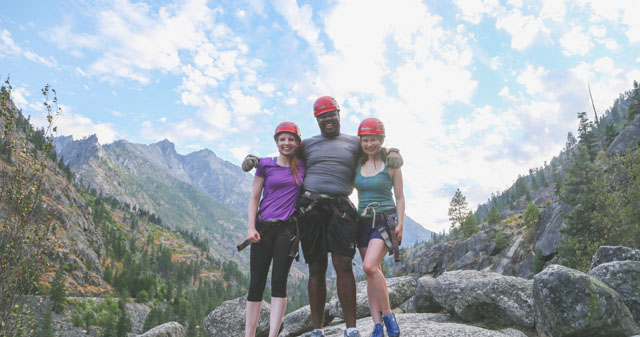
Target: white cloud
[
  {"x": 267, "y": 88},
  {"x": 611, "y": 44},
  {"x": 495, "y": 63},
  {"x": 554, "y": 10},
  {"x": 576, "y": 42},
  {"x": 524, "y": 29},
  {"x": 291, "y": 101},
  {"x": 80, "y": 126},
  {"x": 598, "y": 31},
  {"x": 239, "y": 152},
  {"x": 533, "y": 79},
  {"x": 299, "y": 19},
  {"x": 474, "y": 10},
  {"x": 244, "y": 105},
  {"x": 515, "y": 3},
  {"x": 625, "y": 12},
  {"x": 504, "y": 93},
  {"x": 8, "y": 47}
]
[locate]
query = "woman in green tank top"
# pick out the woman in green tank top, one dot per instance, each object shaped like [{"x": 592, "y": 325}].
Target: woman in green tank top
[{"x": 377, "y": 206}]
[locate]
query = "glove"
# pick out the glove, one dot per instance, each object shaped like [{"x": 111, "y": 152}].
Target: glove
[
  {"x": 394, "y": 158},
  {"x": 249, "y": 162}
]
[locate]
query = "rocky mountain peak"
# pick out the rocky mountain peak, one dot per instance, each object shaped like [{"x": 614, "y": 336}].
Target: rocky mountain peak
[
  {"x": 166, "y": 146},
  {"x": 77, "y": 152}
]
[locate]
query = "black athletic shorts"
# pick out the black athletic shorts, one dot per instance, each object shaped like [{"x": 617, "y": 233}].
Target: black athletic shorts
[{"x": 321, "y": 232}]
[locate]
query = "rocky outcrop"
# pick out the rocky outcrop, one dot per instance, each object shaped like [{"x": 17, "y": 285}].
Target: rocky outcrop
[
  {"x": 420, "y": 325},
  {"x": 137, "y": 313},
  {"x": 472, "y": 253},
  {"x": 606, "y": 254},
  {"x": 483, "y": 296},
  {"x": 229, "y": 318},
  {"x": 548, "y": 235},
  {"x": 571, "y": 303},
  {"x": 170, "y": 329},
  {"x": 623, "y": 277},
  {"x": 400, "y": 289},
  {"x": 424, "y": 300},
  {"x": 299, "y": 322},
  {"x": 628, "y": 138}
]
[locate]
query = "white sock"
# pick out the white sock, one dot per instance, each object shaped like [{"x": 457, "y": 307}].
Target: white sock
[
  {"x": 319, "y": 330},
  {"x": 350, "y": 330}
]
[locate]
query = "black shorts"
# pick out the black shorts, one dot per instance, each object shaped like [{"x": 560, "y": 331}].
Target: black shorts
[{"x": 322, "y": 232}]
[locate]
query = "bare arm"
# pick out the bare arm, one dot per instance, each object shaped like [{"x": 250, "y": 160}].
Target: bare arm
[
  {"x": 398, "y": 193},
  {"x": 254, "y": 200}
]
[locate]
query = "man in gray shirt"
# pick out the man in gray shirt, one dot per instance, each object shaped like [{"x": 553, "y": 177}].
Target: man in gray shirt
[{"x": 328, "y": 220}]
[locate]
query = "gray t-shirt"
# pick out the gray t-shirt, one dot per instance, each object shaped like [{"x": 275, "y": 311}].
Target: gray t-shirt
[{"x": 331, "y": 164}]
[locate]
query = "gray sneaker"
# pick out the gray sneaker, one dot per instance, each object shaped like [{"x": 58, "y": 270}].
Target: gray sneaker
[
  {"x": 354, "y": 333},
  {"x": 317, "y": 333}
]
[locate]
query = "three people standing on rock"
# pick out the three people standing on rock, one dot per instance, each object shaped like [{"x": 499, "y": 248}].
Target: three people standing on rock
[{"x": 328, "y": 222}]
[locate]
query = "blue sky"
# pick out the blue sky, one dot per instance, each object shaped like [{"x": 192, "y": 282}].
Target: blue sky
[{"x": 473, "y": 92}]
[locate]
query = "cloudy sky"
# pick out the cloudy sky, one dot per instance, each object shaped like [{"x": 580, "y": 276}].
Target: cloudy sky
[{"x": 473, "y": 92}]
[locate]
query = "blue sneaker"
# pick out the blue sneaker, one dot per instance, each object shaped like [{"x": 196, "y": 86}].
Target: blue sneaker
[
  {"x": 393, "y": 330},
  {"x": 377, "y": 330},
  {"x": 317, "y": 333}
]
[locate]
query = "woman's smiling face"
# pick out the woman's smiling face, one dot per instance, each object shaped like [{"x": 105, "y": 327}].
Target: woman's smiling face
[
  {"x": 371, "y": 144},
  {"x": 287, "y": 143}
]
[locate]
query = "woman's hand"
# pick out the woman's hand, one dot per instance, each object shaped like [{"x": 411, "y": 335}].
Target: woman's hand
[
  {"x": 254, "y": 236},
  {"x": 399, "y": 234}
]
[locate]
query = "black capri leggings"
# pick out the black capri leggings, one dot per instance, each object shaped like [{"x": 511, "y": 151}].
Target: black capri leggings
[{"x": 274, "y": 245}]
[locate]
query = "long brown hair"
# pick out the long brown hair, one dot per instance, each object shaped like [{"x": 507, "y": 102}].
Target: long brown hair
[{"x": 293, "y": 164}]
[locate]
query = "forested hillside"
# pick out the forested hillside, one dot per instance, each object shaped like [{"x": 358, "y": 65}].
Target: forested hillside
[{"x": 596, "y": 177}]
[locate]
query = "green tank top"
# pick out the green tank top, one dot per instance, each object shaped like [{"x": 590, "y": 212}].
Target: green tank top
[{"x": 374, "y": 189}]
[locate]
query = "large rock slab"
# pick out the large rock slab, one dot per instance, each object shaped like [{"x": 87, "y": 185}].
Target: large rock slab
[
  {"x": 423, "y": 300},
  {"x": 137, "y": 313},
  {"x": 299, "y": 322},
  {"x": 548, "y": 234},
  {"x": 418, "y": 325},
  {"x": 606, "y": 254},
  {"x": 229, "y": 318},
  {"x": 571, "y": 303},
  {"x": 623, "y": 277},
  {"x": 485, "y": 296},
  {"x": 170, "y": 329},
  {"x": 628, "y": 138},
  {"x": 400, "y": 289}
]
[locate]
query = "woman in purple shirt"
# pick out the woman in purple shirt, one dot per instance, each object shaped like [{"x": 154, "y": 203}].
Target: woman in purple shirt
[{"x": 273, "y": 226}]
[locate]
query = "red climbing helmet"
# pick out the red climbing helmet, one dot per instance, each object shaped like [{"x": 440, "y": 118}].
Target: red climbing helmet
[
  {"x": 371, "y": 126},
  {"x": 325, "y": 104},
  {"x": 287, "y": 127}
]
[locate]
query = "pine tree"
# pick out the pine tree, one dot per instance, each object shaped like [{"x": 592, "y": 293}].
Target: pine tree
[
  {"x": 46, "y": 325},
  {"x": 58, "y": 295},
  {"x": 634, "y": 106},
  {"x": 542, "y": 178},
  {"x": 457, "y": 209},
  {"x": 521, "y": 187},
  {"x": 494, "y": 216},
  {"x": 124, "y": 323},
  {"x": 582, "y": 226},
  {"x": 610, "y": 134},
  {"x": 470, "y": 225},
  {"x": 531, "y": 215},
  {"x": 571, "y": 141},
  {"x": 586, "y": 134}
]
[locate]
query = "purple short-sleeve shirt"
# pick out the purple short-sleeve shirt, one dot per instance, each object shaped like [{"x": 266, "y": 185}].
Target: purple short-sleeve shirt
[{"x": 280, "y": 192}]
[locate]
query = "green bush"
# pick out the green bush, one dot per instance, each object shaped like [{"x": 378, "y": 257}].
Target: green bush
[
  {"x": 501, "y": 242},
  {"x": 538, "y": 261},
  {"x": 142, "y": 297}
]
